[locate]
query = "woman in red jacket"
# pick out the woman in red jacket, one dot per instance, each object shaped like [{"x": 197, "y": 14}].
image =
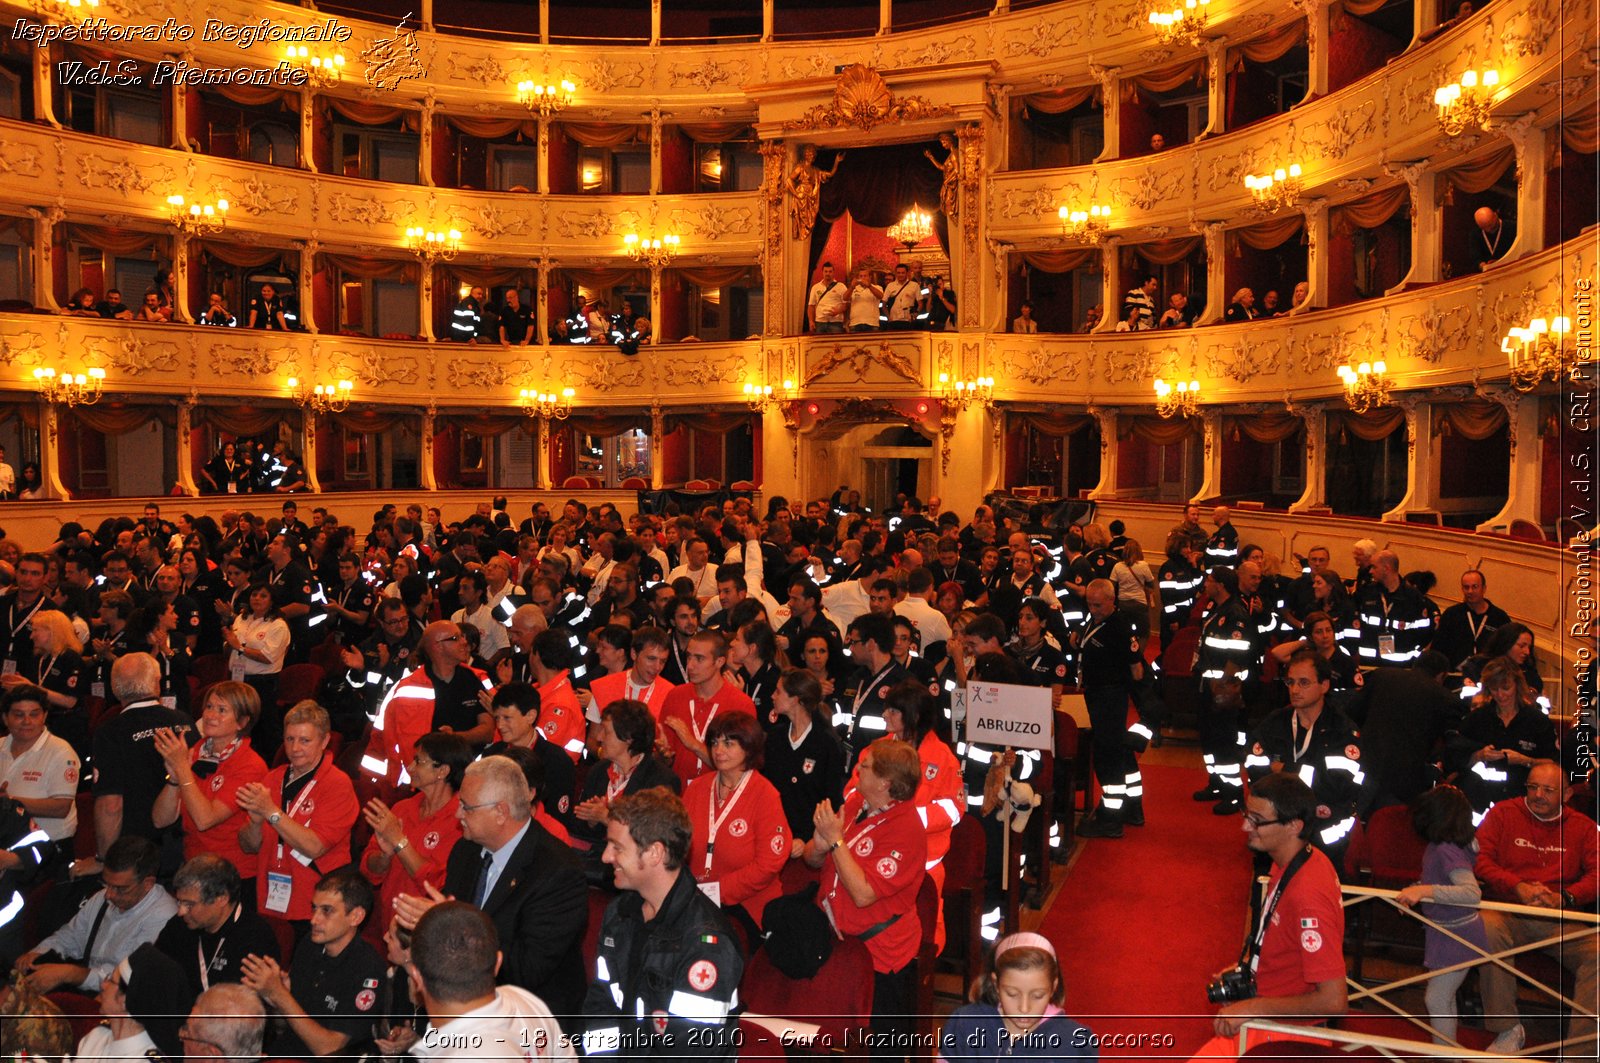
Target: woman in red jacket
[
  {"x": 741, "y": 836},
  {"x": 910, "y": 713}
]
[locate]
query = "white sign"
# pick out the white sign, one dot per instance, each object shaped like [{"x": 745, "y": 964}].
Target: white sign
[{"x": 1003, "y": 714}]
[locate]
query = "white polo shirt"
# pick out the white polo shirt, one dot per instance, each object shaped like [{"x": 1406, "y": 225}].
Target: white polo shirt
[{"x": 48, "y": 769}]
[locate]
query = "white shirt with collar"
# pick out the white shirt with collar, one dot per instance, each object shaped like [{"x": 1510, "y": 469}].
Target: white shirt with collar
[
  {"x": 930, "y": 623},
  {"x": 48, "y": 769},
  {"x": 120, "y": 932},
  {"x": 515, "y": 1018}
]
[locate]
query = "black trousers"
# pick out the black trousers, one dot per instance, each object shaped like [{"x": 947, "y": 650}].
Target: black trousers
[{"x": 1108, "y": 719}]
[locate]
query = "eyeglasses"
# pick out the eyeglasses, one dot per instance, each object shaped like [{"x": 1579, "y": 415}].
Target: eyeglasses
[
  {"x": 1535, "y": 788},
  {"x": 1255, "y": 820},
  {"x": 482, "y": 804},
  {"x": 448, "y": 638}
]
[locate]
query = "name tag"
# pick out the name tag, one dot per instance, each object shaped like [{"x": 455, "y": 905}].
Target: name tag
[
  {"x": 233, "y": 488},
  {"x": 1385, "y": 644},
  {"x": 170, "y": 702},
  {"x": 9, "y": 668},
  {"x": 97, "y": 690},
  {"x": 279, "y": 887},
  {"x": 236, "y": 668},
  {"x": 712, "y": 890}
]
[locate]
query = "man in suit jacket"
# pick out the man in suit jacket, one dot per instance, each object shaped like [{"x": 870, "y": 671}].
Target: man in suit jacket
[
  {"x": 530, "y": 884},
  {"x": 1403, "y": 712}
]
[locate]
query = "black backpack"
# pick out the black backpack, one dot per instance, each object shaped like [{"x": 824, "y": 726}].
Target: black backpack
[{"x": 798, "y": 938}]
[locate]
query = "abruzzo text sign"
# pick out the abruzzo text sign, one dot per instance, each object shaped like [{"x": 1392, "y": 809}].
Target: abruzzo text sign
[{"x": 1002, "y": 714}]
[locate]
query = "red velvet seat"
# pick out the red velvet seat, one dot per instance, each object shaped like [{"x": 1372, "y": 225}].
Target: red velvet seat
[
  {"x": 963, "y": 897},
  {"x": 838, "y": 999},
  {"x": 297, "y": 682}
]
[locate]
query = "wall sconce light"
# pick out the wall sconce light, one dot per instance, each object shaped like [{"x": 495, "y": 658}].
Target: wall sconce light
[
  {"x": 652, "y": 251},
  {"x": 197, "y": 219},
  {"x": 1185, "y": 23},
  {"x": 550, "y": 405},
  {"x": 1536, "y": 353},
  {"x": 1180, "y": 400},
  {"x": 1085, "y": 226},
  {"x": 1366, "y": 387},
  {"x": 433, "y": 245},
  {"x": 1465, "y": 104},
  {"x": 321, "y": 398},
  {"x": 1276, "y": 190},
  {"x": 69, "y": 389},
  {"x": 546, "y": 98}
]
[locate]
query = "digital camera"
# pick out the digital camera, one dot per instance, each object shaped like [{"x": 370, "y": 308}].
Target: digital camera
[{"x": 1232, "y": 986}]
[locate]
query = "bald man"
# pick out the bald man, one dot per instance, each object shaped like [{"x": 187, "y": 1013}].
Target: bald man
[
  {"x": 442, "y": 695},
  {"x": 1493, "y": 238}
]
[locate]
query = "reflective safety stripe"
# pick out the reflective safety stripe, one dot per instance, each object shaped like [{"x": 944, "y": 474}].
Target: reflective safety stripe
[
  {"x": 405, "y": 777},
  {"x": 1489, "y": 774},
  {"x": 1469, "y": 691},
  {"x": 696, "y": 1008},
  {"x": 950, "y": 808},
  {"x": 1335, "y": 833},
  {"x": 374, "y": 766},
  {"x": 574, "y": 745},
  {"x": 1307, "y": 773},
  {"x": 608, "y": 1039},
  {"x": 974, "y": 802},
  {"x": 872, "y": 723},
  {"x": 374, "y": 677},
  {"x": 1336, "y": 762},
  {"x": 843, "y": 719},
  {"x": 1142, "y": 731},
  {"x": 616, "y": 993},
  {"x": 1227, "y": 644},
  {"x": 1256, "y": 761},
  {"x": 602, "y": 971},
  {"x": 922, "y": 814},
  {"x": 12, "y": 908},
  {"x": 314, "y": 621}
]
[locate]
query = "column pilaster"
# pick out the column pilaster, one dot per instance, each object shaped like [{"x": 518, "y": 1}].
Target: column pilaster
[{"x": 1107, "y": 418}]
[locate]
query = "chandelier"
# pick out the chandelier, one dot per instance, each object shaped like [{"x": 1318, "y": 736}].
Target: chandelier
[
  {"x": 546, "y": 98},
  {"x": 1465, "y": 104},
  {"x": 322, "y": 69},
  {"x": 546, "y": 404},
  {"x": 434, "y": 245},
  {"x": 81, "y": 389},
  {"x": 1535, "y": 353},
  {"x": 321, "y": 398},
  {"x": 1366, "y": 387},
  {"x": 911, "y": 230},
  {"x": 1183, "y": 24},
  {"x": 1180, "y": 400},
  {"x": 1276, "y": 190},
  {"x": 963, "y": 393},
  {"x": 1085, "y": 226},
  {"x": 197, "y": 219},
  {"x": 652, "y": 251}
]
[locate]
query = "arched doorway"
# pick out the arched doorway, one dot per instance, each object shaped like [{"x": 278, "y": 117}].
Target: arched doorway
[{"x": 874, "y": 447}]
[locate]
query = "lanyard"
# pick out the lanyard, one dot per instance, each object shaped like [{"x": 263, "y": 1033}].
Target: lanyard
[
  {"x": 1477, "y": 629},
  {"x": 24, "y": 621},
  {"x": 700, "y": 731},
  {"x": 677, "y": 659},
  {"x": 1253, "y": 946},
  {"x": 1088, "y": 635},
  {"x": 645, "y": 694},
  {"x": 1299, "y": 747},
  {"x": 45, "y": 669},
  {"x": 299, "y": 800},
  {"x": 868, "y": 689},
  {"x": 205, "y": 964},
  {"x": 716, "y": 819},
  {"x": 848, "y": 840}
]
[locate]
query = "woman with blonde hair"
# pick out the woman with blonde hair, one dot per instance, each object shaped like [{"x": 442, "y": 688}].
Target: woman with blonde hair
[{"x": 1503, "y": 736}]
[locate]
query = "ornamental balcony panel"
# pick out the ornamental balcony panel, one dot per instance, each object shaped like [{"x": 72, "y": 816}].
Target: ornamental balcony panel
[
  {"x": 116, "y": 182},
  {"x": 1445, "y": 335}
]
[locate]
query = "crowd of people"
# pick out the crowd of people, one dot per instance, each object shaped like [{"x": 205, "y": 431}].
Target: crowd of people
[
  {"x": 269, "y": 308},
  {"x": 901, "y": 300},
  {"x": 682, "y": 709}
]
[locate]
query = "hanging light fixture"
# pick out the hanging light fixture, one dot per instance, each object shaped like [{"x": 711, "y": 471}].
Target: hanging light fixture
[{"x": 915, "y": 227}]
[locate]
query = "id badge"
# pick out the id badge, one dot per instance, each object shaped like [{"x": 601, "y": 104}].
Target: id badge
[
  {"x": 1385, "y": 645},
  {"x": 97, "y": 690},
  {"x": 10, "y": 667},
  {"x": 236, "y": 668},
  {"x": 233, "y": 488},
  {"x": 279, "y": 886},
  {"x": 712, "y": 890},
  {"x": 170, "y": 702}
]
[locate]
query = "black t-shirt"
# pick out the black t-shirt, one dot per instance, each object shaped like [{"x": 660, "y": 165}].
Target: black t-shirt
[
  {"x": 359, "y": 597},
  {"x": 292, "y": 586},
  {"x": 517, "y": 323},
  {"x": 16, "y": 632},
  {"x": 211, "y": 959},
  {"x": 126, "y": 762},
  {"x": 455, "y": 703},
  {"x": 342, "y": 993}
]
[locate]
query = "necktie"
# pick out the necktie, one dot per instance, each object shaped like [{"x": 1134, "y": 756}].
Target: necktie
[{"x": 480, "y": 892}]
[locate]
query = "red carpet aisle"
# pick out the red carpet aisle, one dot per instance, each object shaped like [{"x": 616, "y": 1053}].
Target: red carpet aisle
[{"x": 1143, "y": 921}]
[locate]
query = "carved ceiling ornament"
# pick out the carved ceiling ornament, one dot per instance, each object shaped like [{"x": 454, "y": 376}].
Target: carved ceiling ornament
[{"x": 861, "y": 98}]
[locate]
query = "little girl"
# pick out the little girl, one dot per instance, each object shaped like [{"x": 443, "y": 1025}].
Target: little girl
[
  {"x": 1443, "y": 817},
  {"x": 1016, "y": 1010}
]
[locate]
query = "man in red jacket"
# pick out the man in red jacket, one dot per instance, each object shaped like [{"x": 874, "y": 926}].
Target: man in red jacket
[{"x": 1536, "y": 851}]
